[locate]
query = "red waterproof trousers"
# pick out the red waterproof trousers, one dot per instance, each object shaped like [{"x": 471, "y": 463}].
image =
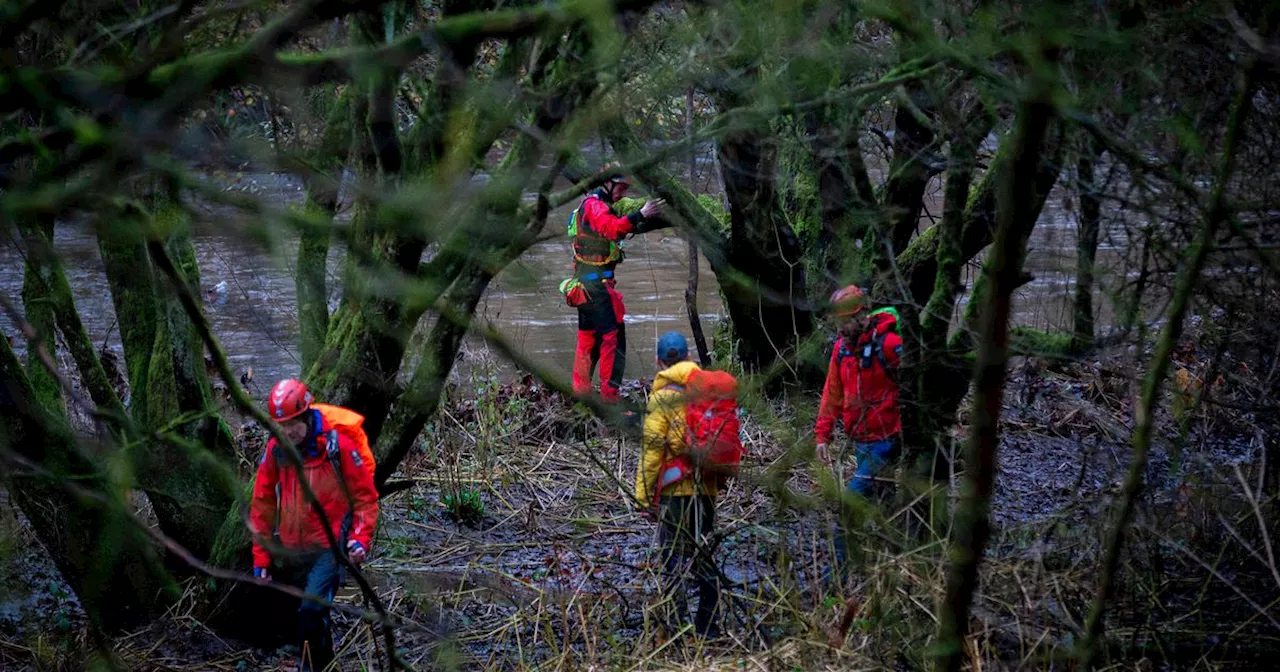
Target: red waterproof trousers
[{"x": 602, "y": 339}]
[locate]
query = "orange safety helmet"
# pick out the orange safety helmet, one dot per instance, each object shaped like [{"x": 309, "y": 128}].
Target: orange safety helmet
[
  {"x": 288, "y": 399},
  {"x": 848, "y": 301}
]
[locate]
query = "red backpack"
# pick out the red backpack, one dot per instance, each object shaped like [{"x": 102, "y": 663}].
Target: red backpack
[
  {"x": 711, "y": 431},
  {"x": 711, "y": 423}
]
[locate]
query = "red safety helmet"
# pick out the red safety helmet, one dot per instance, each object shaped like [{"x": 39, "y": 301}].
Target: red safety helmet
[
  {"x": 288, "y": 399},
  {"x": 848, "y": 301}
]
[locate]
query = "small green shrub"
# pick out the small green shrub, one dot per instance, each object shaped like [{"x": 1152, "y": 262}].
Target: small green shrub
[{"x": 464, "y": 507}]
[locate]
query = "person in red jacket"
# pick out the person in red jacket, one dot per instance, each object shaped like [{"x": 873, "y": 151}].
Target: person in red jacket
[
  {"x": 861, "y": 388},
  {"x": 290, "y": 542},
  {"x": 862, "y": 392},
  {"x": 596, "y": 231}
]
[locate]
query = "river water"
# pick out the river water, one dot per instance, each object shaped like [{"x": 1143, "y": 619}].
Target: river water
[
  {"x": 250, "y": 297},
  {"x": 249, "y": 290}
]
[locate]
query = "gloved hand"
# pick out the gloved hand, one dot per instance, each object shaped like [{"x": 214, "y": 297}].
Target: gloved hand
[
  {"x": 356, "y": 552},
  {"x": 652, "y": 208},
  {"x": 261, "y": 573},
  {"x": 821, "y": 450}
]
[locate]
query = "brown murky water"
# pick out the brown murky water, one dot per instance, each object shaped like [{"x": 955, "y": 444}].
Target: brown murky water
[
  {"x": 249, "y": 290},
  {"x": 249, "y": 294}
]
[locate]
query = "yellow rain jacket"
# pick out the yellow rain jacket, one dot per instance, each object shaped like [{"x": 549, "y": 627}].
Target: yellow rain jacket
[{"x": 664, "y": 436}]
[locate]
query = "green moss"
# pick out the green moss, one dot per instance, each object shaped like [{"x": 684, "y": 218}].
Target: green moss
[
  {"x": 715, "y": 206},
  {"x": 797, "y": 186},
  {"x": 627, "y": 205},
  {"x": 310, "y": 284},
  {"x": 1028, "y": 341},
  {"x": 38, "y": 305}
]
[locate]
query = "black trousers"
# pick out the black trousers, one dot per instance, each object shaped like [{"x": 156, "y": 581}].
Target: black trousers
[{"x": 686, "y": 525}]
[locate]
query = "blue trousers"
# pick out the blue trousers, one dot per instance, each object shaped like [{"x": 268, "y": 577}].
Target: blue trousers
[
  {"x": 318, "y": 575},
  {"x": 872, "y": 459}
]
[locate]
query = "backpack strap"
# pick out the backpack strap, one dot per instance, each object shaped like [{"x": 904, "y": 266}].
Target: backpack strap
[
  {"x": 877, "y": 350},
  {"x": 333, "y": 451}
]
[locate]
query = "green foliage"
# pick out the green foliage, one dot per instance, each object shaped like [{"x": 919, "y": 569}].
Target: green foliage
[
  {"x": 761, "y": 74},
  {"x": 627, "y": 205},
  {"x": 714, "y": 205},
  {"x": 464, "y": 507},
  {"x": 798, "y": 187}
]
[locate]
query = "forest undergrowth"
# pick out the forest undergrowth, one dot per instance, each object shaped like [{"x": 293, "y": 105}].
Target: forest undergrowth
[{"x": 518, "y": 548}]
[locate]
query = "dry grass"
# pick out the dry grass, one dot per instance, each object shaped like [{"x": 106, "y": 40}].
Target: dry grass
[{"x": 559, "y": 575}]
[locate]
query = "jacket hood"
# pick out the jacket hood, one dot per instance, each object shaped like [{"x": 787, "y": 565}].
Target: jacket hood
[
  {"x": 676, "y": 374},
  {"x": 882, "y": 323}
]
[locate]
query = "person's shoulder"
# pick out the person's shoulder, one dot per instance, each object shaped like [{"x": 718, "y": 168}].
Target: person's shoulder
[
  {"x": 339, "y": 417},
  {"x": 666, "y": 397}
]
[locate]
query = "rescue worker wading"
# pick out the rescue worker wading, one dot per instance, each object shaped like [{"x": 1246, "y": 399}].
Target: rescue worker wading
[
  {"x": 862, "y": 391},
  {"x": 596, "y": 232},
  {"x": 338, "y": 465},
  {"x": 686, "y": 504}
]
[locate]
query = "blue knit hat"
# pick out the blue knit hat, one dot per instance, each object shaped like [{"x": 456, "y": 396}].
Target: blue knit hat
[{"x": 672, "y": 347}]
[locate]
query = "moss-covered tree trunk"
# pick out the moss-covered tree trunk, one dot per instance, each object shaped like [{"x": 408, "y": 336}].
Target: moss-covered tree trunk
[
  {"x": 918, "y": 264},
  {"x": 321, "y": 204},
  {"x": 846, "y": 199},
  {"x": 941, "y": 375},
  {"x": 124, "y": 257},
  {"x": 52, "y": 290},
  {"x": 913, "y": 140},
  {"x": 105, "y": 558},
  {"x": 37, "y": 304},
  {"x": 368, "y": 332},
  {"x": 475, "y": 254},
  {"x": 769, "y": 311},
  {"x": 182, "y": 464},
  {"x": 1053, "y": 149}
]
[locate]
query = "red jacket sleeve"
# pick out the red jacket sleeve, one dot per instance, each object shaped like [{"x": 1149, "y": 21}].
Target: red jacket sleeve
[
  {"x": 892, "y": 350},
  {"x": 604, "y": 222},
  {"x": 262, "y": 507},
  {"x": 359, "y": 479},
  {"x": 832, "y": 399}
]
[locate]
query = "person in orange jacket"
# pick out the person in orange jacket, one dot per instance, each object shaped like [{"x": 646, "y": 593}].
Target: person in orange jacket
[
  {"x": 290, "y": 542},
  {"x": 596, "y": 231}
]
